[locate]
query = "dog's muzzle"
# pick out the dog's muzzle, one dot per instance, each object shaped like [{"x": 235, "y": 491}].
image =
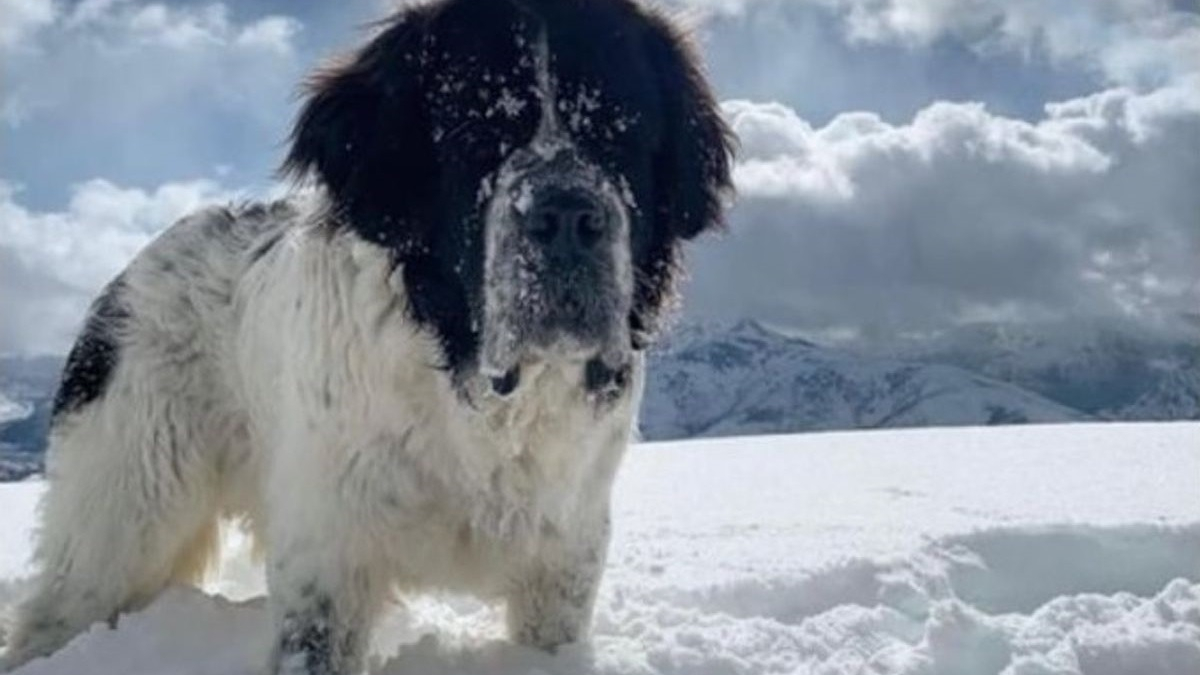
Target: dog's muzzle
[
  {"x": 558, "y": 274},
  {"x": 570, "y": 231}
]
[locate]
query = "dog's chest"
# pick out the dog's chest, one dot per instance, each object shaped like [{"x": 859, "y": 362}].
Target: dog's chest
[{"x": 489, "y": 478}]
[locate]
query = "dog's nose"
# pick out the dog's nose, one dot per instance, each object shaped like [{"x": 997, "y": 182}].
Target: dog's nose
[{"x": 566, "y": 219}]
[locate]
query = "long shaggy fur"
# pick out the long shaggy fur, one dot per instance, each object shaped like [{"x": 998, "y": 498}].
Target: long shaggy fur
[{"x": 320, "y": 366}]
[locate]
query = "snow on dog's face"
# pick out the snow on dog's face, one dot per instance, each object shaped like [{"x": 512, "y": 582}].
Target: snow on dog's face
[{"x": 531, "y": 165}]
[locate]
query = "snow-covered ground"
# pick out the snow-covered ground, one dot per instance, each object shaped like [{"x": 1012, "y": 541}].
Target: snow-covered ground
[{"x": 1016, "y": 550}]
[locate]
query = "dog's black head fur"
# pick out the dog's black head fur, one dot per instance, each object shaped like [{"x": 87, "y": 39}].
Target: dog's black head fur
[{"x": 407, "y": 133}]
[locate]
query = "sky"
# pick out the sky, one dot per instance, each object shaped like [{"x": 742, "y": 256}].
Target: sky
[{"x": 905, "y": 166}]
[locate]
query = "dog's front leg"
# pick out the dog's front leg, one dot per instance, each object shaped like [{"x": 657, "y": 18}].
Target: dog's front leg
[
  {"x": 550, "y": 603},
  {"x": 324, "y": 590},
  {"x": 323, "y": 613}
]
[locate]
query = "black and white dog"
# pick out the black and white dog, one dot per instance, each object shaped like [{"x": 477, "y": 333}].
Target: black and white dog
[{"x": 420, "y": 374}]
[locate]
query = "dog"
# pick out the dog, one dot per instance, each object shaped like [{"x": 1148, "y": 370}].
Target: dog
[{"x": 421, "y": 369}]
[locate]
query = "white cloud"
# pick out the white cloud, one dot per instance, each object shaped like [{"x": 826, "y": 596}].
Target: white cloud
[
  {"x": 122, "y": 51},
  {"x": 209, "y": 26},
  {"x": 146, "y": 92},
  {"x": 53, "y": 263},
  {"x": 20, "y": 19},
  {"x": 274, "y": 33},
  {"x": 119, "y": 23},
  {"x": 783, "y": 156},
  {"x": 961, "y": 214},
  {"x": 1130, "y": 42}
]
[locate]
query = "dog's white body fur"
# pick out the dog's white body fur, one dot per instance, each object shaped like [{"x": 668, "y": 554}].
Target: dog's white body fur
[{"x": 291, "y": 388}]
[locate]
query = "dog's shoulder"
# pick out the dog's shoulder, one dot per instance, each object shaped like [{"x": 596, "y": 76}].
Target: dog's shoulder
[
  {"x": 218, "y": 240},
  {"x": 175, "y": 292}
]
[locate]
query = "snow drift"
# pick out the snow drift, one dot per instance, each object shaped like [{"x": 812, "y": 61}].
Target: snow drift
[{"x": 1047, "y": 550}]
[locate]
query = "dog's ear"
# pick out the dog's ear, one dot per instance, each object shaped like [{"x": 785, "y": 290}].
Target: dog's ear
[
  {"x": 362, "y": 132},
  {"x": 692, "y": 167}
]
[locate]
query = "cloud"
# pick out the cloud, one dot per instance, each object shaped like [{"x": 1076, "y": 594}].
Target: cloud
[
  {"x": 1132, "y": 42},
  {"x": 1021, "y": 160},
  {"x": 52, "y": 263},
  {"x": 145, "y": 92},
  {"x": 185, "y": 29},
  {"x": 110, "y": 36},
  {"x": 22, "y": 18},
  {"x": 1128, "y": 42},
  {"x": 802, "y": 54},
  {"x": 960, "y": 214}
]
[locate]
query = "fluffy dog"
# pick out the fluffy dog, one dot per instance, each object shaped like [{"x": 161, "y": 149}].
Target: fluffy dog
[{"x": 422, "y": 372}]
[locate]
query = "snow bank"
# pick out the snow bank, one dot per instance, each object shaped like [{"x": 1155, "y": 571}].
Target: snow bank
[{"x": 1012, "y": 551}]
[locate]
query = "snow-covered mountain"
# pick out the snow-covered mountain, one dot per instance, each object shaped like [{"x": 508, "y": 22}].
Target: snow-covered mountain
[
  {"x": 11, "y": 410},
  {"x": 748, "y": 379},
  {"x": 1034, "y": 550},
  {"x": 1108, "y": 369},
  {"x": 26, "y": 390}
]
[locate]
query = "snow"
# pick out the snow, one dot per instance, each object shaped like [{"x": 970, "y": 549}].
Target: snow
[
  {"x": 11, "y": 410},
  {"x": 1038, "y": 550}
]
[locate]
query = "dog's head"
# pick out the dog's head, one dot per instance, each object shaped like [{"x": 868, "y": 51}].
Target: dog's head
[{"x": 532, "y": 166}]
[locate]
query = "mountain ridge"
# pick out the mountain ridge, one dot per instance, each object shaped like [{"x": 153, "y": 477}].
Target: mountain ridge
[{"x": 749, "y": 379}]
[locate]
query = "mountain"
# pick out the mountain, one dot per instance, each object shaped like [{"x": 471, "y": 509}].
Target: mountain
[
  {"x": 26, "y": 392},
  {"x": 748, "y": 379},
  {"x": 1109, "y": 369}
]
